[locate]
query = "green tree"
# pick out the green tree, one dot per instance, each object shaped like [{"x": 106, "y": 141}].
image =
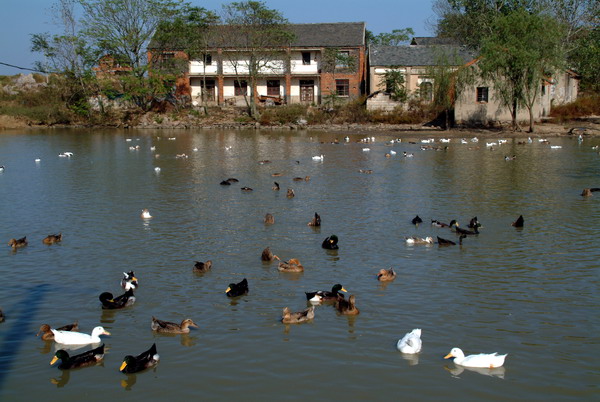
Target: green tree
[
  {"x": 586, "y": 60},
  {"x": 336, "y": 61},
  {"x": 522, "y": 50},
  {"x": 394, "y": 38},
  {"x": 260, "y": 37},
  {"x": 192, "y": 32},
  {"x": 394, "y": 83},
  {"x": 450, "y": 75}
]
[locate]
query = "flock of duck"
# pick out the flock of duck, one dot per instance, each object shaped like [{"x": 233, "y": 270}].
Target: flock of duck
[{"x": 411, "y": 343}]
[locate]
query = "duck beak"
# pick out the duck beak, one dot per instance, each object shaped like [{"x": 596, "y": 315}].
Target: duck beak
[
  {"x": 54, "y": 359},
  {"x": 106, "y": 333},
  {"x": 123, "y": 365},
  {"x": 134, "y": 279},
  {"x": 343, "y": 290},
  {"x": 449, "y": 355},
  {"x": 228, "y": 289}
]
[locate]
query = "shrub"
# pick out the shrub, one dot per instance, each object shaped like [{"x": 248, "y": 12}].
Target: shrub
[{"x": 582, "y": 107}]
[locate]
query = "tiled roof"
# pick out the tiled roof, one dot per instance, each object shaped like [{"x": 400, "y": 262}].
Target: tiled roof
[
  {"x": 338, "y": 34},
  {"x": 416, "y": 55}
]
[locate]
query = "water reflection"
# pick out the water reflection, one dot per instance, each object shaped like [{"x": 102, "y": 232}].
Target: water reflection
[
  {"x": 62, "y": 380},
  {"x": 108, "y": 316},
  {"x": 129, "y": 382},
  {"x": 46, "y": 348},
  {"x": 411, "y": 358},
  {"x": 457, "y": 370}
]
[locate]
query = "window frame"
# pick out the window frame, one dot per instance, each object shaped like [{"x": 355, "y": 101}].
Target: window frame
[
  {"x": 273, "y": 90},
  {"x": 342, "y": 87},
  {"x": 482, "y": 94}
]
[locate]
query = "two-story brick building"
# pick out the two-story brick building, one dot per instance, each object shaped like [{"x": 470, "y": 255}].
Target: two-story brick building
[{"x": 300, "y": 74}]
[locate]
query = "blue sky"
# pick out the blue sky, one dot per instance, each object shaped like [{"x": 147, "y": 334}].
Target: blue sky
[{"x": 21, "y": 18}]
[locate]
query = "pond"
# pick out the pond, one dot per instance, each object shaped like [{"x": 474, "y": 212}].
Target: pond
[{"x": 531, "y": 292}]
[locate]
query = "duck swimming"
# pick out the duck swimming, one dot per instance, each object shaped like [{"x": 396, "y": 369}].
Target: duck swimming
[
  {"x": 237, "y": 289},
  {"x": 129, "y": 281},
  {"x": 325, "y": 295},
  {"x": 296, "y": 318},
  {"x": 446, "y": 242},
  {"x": 275, "y": 186},
  {"x": 462, "y": 231},
  {"x": 474, "y": 223},
  {"x": 292, "y": 265},
  {"x": 316, "y": 221},
  {"x": 330, "y": 243},
  {"x": 386, "y": 275},
  {"x": 201, "y": 267},
  {"x": 482, "y": 360},
  {"x": 416, "y": 220},
  {"x": 18, "y": 243},
  {"x": 267, "y": 255},
  {"x": 411, "y": 342},
  {"x": 48, "y": 335},
  {"x": 143, "y": 361},
  {"x": 78, "y": 338},
  {"x": 269, "y": 219},
  {"x": 53, "y": 238},
  {"x": 419, "y": 240},
  {"x": 519, "y": 222},
  {"x": 109, "y": 303},
  {"x": 439, "y": 224},
  {"x": 347, "y": 307},
  {"x": 290, "y": 193},
  {"x": 145, "y": 214},
  {"x": 587, "y": 192},
  {"x": 88, "y": 358},
  {"x": 171, "y": 327}
]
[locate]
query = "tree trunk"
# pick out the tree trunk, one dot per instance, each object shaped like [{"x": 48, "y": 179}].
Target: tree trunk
[{"x": 531, "y": 119}]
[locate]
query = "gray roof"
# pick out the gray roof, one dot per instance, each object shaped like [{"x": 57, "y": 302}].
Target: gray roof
[
  {"x": 433, "y": 41},
  {"x": 337, "y": 34},
  {"x": 416, "y": 55}
]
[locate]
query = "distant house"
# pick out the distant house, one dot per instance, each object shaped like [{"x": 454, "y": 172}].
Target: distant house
[
  {"x": 108, "y": 67},
  {"x": 299, "y": 75},
  {"x": 478, "y": 103},
  {"x": 413, "y": 61}
]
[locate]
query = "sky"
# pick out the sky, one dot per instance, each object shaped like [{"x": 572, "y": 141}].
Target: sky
[{"x": 21, "y": 18}]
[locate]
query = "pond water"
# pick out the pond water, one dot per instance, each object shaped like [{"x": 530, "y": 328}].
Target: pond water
[{"x": 530, "y": 292}]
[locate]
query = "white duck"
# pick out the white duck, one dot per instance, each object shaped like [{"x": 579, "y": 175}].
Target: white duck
[
  {"x": 411, "y": 342},
  {"x": 146, "y": 214},
  {"x": 482, "y": 360},
  {"x": 419, "y": 240},
  {"x": 78, "y": 338},
  {"x": 317, "y": 158}
]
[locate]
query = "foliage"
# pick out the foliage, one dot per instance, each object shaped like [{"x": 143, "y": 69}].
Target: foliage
[
  {"x": 394, "y": 38},
  {"x": 586, "y": 60},
  {"x": 123, "y": 28},
  {"x": 394, "y": 83},
  {"x": 584, "y": 106},
  {"x": 522, "y": 49},
  {"x": 285, "y": 114},
  {"x": 449, "y": 77},
  {"x": 260, "y": 34}
]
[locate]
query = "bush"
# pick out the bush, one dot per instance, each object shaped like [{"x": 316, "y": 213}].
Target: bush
[
  {"x": 583, "y": 107},
  {"x": 285, "y": 114}
]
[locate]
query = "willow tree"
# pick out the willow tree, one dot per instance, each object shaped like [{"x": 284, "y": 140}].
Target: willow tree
[
  {"x": 522, "y": 50},
  {"x": 257, "y": 38}
]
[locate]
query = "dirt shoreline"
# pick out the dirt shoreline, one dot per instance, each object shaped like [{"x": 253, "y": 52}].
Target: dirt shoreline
[{"x": 588, "y": 127}]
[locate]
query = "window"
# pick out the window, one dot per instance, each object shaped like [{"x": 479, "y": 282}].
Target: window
[
  {"x": 273, "y": 87},
  {"x": 426, "y": 91},
  {"x": 306, "y": 58},
  {"x": 342, "y": 59},
  {"x": 210, "y": 90},
  {"x": 342, "y": 87},
  {"x": 207, "y": 59},
  {"x": 241, "y": 88},
  {"x": 482, "y": 94}
]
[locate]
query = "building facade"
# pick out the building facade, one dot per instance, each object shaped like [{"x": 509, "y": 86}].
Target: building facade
[{"x": 299, "y": 73}]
